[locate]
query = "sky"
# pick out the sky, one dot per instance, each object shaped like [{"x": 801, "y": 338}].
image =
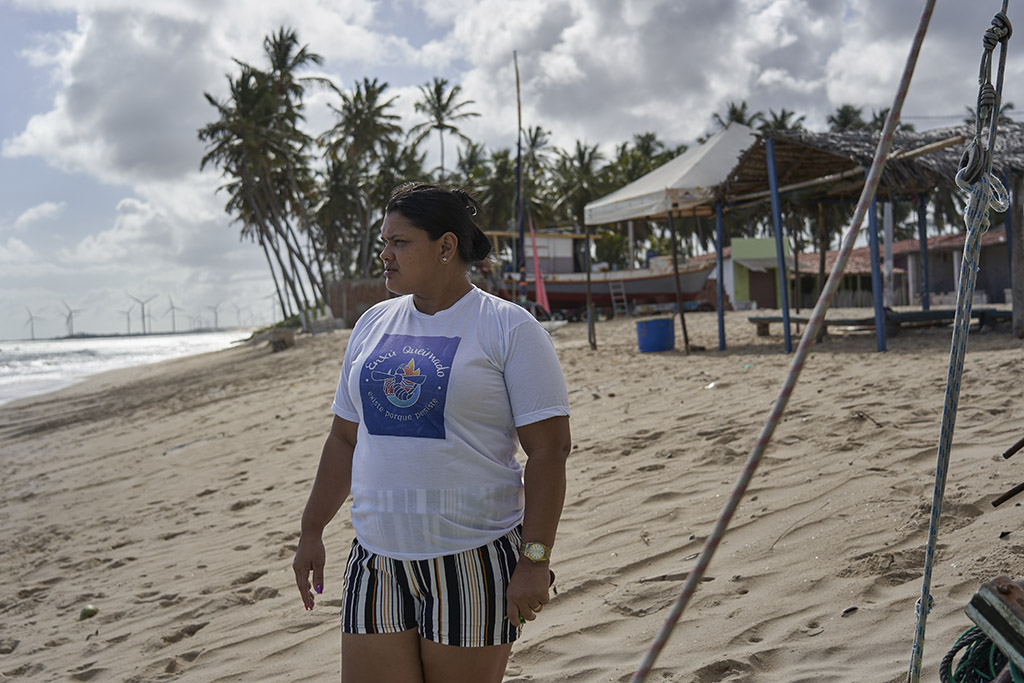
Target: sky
[{"x": 102, "y": 201}]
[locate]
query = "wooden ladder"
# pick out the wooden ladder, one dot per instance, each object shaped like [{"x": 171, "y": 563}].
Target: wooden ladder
[{"x": 620, "y": 305}]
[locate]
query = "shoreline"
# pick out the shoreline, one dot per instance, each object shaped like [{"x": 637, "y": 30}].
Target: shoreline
[
  {"x": 169, "y": 496},
  {"x": 63, "y": 367}
]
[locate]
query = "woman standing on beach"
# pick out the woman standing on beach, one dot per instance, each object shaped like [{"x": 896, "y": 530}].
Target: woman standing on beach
[{"x": 437, "y": 386}]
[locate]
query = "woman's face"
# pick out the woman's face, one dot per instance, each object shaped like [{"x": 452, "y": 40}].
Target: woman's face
[{"x": 412, "y": 261}]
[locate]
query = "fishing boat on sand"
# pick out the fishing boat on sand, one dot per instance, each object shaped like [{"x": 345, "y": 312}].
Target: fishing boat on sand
[{"x": 565, "y": 281}]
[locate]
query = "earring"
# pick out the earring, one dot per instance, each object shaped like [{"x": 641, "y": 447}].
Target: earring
[{"x": 444, "y": 259}]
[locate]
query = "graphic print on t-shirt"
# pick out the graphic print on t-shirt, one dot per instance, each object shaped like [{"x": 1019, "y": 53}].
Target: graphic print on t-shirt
[{"x": 404, "y": 384}]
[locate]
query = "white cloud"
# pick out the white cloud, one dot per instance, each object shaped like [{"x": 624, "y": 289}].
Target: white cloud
[
  {"x": 14, "y": 252},
  {"x": 41, "y": 212}
]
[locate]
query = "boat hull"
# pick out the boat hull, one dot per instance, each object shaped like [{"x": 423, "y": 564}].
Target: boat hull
[{"x": 569, "y": 290}]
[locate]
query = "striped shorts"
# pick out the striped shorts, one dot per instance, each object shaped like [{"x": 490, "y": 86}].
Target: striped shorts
[{"x": 452, "y": 600}]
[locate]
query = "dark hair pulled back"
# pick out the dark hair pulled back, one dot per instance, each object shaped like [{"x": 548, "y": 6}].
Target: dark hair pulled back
[{"x": 437, "y": 210}]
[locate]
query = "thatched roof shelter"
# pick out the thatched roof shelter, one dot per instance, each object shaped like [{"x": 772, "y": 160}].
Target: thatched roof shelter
[{"x": 834, "y": 165}]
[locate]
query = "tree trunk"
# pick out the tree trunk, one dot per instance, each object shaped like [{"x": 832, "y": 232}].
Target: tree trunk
[
  {"x": 273, "y": 274},
  {"x": 285, "y": 229},
  {"x": 440, "y": 136},
  {"x": 290, "y": 272},
  {"x": 364, "y": 255},
  {"x": 308, "y": 227},
  {"x": 1017, "y": 273}
]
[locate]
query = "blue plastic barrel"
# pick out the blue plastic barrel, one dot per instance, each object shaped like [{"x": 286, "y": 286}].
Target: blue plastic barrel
[{"x": 656, "y": 335}]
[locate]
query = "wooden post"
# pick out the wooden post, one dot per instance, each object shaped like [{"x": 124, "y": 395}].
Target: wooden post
[
  {"x": 679, "y": 290},
  {"x": 720, "y": 262},
  {"x": 922, "y": 237},
  {"x": 1017, "y": 270},
  {"x": 632, "y": 250},
  {"x": 773, "y": 184},
  {"x": 822, "y": 248},
  {"x": 887, "y": 287},
  {"x": 591, "y": 329},
  {"x": 876, "y": 276}
]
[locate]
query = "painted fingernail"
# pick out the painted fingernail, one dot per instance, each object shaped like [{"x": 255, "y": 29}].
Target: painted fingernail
[{"x": 319, "y": 589}]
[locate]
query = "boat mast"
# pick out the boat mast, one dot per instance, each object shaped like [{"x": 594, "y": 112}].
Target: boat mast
[{"x": 520, "y": 213}]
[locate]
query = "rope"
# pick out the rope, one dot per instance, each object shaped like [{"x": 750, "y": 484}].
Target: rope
[
  {"x": 814, "y": 324},
  {"x": 981, "y": 661},
  {"x": 987, "y": 192}
]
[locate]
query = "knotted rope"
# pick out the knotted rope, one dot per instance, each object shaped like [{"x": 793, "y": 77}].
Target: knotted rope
[
  {"x": 987, "y": 193},
  {"x": 814, "y": 324}
]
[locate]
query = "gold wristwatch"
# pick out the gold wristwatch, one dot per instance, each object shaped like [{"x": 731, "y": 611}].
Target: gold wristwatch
[{"x": 535, "y": 551}]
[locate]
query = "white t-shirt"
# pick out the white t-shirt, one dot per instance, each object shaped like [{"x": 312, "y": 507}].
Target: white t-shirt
[{"x": 438, "y": 399}]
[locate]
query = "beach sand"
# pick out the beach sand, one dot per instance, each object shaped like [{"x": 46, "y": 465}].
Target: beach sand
[{"x": 169, "y": 497}]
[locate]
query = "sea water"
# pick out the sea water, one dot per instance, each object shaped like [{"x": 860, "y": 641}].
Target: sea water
[{"x": 28, "y": 368}]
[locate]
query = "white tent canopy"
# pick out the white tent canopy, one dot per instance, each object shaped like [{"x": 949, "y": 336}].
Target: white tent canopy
[{"x": 687, "y": 181}]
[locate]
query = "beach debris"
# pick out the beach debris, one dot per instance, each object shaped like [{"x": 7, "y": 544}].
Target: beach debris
[
  {"x": 864, "y": 416},
  {"x": 88, "y": 612},
  {"x": 281, "y": 339},
  {"x": 711, "y": 386},
  {"x": 1013, "y": 449},
  {"x": 849, "y": 610},
  {"x": 1004, "y": 534},
  {"x": 189, "y": 443}
]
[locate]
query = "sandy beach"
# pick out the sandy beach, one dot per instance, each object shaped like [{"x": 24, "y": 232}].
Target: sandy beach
[{"x": 169, "y": 497}]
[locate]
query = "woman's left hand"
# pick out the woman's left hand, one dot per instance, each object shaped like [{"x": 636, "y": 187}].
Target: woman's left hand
[{"x": 527, "y": 590}]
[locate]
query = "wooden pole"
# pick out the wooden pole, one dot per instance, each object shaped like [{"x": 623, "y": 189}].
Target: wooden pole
[
  {"x": 720, "y": 262},
  {"x": 922, "y": 238},
  {"x": 876, "y": 276},
  {"x": 822, "y": 248},
  {"x": 591, "y": 329},
  {"x": 679, "y": 289},
  {"x": 1017, "y": 270}
]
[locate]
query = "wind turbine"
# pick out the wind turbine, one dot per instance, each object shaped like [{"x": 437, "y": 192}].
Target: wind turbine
[
  {"x": 143, "y": 305},
  {"x": 238, "y": 312},
  {"x": 31, "y": 322},
  {"x": 272, "y": 297},
  {"x": 216, "y": 323},
  {"x": 127, "y": 318},
  {"x": 171, "y": 310},
  {"x": 69, "y": 319}
]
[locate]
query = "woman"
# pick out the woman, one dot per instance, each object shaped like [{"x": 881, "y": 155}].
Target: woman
[{"x": 437, "y": 387}]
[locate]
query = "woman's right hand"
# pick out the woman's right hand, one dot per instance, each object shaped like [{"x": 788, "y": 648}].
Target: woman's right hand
[{"x": 310, "y": 558}]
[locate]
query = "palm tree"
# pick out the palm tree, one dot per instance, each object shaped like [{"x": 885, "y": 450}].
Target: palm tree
[
  {"x": 577, "y": 180},
  {"x": 878, "y": 122},
  {"x": 471, "y": 167},
  {"x": 258, "y": 145},
  {"x": 442, "y": 108},
  {"x": 782, "y": 120},
  {"x": 738, "y": 113},
  {"x": 499, "y": 190},
  {"x": 846, "y": 118},
  {"x": 356, "y": 144},
  {"x": 1004, "y": 115}
]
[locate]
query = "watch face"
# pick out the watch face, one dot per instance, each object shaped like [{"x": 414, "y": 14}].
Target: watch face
[{"x": 535, "y": 552}]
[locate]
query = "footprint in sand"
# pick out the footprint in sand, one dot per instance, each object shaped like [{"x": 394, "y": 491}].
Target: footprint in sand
[
  {"x": 183, "y": 632},
  {"x": 248, "y": 577}
]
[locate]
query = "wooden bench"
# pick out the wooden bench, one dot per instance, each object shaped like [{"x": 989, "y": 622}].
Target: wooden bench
[
  {"x": 763, "y": 321},
  {"x": 894, "y": 320}
]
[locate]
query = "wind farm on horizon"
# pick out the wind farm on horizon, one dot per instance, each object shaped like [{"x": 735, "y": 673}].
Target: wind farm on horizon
[{"x": 139, "y": 319}]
